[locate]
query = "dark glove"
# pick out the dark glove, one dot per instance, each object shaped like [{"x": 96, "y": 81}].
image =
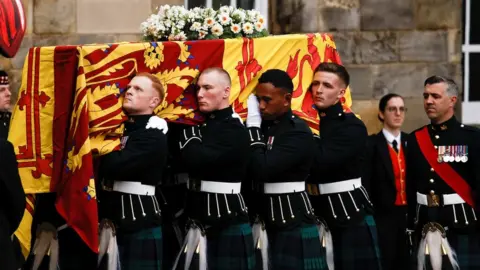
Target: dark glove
[
  {"x": 190, "y": 134},
  {"x": 256, "y": 136}
]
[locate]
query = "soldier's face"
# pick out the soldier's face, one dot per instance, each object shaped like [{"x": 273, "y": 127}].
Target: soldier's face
[
  {"x": 436, "y": 100},
  {"x": 327, "y": 89},
  {"x": 394, "y": 113},
  {"x": 212, "y": 92},
  {"x": 5, "y": 96},
  {"x": 272, "y": 102},
  {"x": 141, "y": 97}
]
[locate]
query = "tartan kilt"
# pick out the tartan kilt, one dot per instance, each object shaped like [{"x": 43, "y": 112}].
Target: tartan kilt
[
  {"x": 466, "y": 247},
  {"x": 228, "y": 248},
  {"x": 298, "y": 248},
  {"x": 357, "y": 245},
  {"x": 141, "y": 250}
]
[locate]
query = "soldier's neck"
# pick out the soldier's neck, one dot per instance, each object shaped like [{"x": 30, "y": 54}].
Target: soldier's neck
[{"x": 444, "y": 118}]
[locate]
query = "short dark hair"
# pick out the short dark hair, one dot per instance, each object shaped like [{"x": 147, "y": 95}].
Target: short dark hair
[
  {"x": 382, "y": 105},
  {"x": 279, "y": 79},
  {"x": 335, "y": 68},
  {"x": 452, "y": 87}
]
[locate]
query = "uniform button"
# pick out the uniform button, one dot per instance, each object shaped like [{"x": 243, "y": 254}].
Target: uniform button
[
  {"x": 462, "y": 125},
  {"x": 431, "y": 180},
  {"x": 339, "y": 114},
  {"x": 437, "y": 137},
  {"x": 403, "y": 202},
  {"x": 431, "y": 169},
  {"x": 402, "y": 181},
  {"x": 403, "y": 170},
  {"x": 436, "y": 147},
  {"x": 432, "y": 192}
]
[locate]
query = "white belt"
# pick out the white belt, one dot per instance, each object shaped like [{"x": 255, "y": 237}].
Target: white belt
[
  {"x": 134, "y": 188},
  {"x": 342, "y": 186},
  {"x": 448, "y": 199},
  {"x": 286, "y": 187},
  {"x": 216, "y": 187}
]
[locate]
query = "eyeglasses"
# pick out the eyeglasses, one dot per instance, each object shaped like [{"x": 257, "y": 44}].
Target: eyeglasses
[{"x": 397, "y": 109}]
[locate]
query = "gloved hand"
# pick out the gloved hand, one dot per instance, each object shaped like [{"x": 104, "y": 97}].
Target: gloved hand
[
  {"x": 254, "y": 119},
  {"x": 158, "y": 123},
  {"x": 189, "y": 134}
]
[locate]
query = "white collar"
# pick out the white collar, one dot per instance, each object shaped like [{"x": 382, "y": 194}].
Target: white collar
[{"x": 389, "y": 136}]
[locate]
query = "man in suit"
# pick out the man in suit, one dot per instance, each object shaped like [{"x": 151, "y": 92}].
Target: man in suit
[
  {"x": 386, "y": 171},
  {"x": 12, "y": 204}
]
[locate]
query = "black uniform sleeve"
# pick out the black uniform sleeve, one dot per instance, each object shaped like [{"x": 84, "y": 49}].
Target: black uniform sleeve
[
  {"x": 11, "y": 189},
  {"x": 368, "y": 181},
  {"x": 289, "y": 150},
  {"x": 140, "y": 150},
  {"x": 197, "y": 154},
  {"x": 411, "y": 187}
]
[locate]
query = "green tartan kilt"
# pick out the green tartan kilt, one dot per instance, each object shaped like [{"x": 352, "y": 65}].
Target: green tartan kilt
[
  {"x": 466, "y": 247},
  {"x": 356, "y": 246},
  {"x": 228, "y": 248},
  {"x": 141, "y": 250},
  {"x": 298, "y": 248}
]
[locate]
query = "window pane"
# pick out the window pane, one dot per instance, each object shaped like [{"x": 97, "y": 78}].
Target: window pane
[
  {"x": 245, "y": 4},
  {"x": 474, "y": 89},
  {"x": 474, "y": 22},
  {"x": 196, "y": 3}
]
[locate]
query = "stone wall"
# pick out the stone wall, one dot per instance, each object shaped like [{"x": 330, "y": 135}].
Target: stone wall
[
  {"x": 391, "y": 46},
  {"x": 388, "y": 45}
]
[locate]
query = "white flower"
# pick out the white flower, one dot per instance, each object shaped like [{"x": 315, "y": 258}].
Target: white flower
[
  {"x": 195, "y": 26},
  {"x": 261, "y": 19},
  {"x": 217, "y": 30},
  {"x": 202, "y": 34},
  {"x": 239, "y": 15},
  {"x": 162, "y": 10},
  {"x": 259, "y": 27},
  {"x": 180, "y": 24},
  {"x": 247, "y": 28},
  {"x": 236, "y": 28},
  {"x": 224, "y": 19},
  {"x": 181, "y": 36},
  {"x": 225, "y": 10},
  {"x": 209, "y": 21}
]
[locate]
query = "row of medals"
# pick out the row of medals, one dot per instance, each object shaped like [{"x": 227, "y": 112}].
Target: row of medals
[{"x": 453, "y": 153}]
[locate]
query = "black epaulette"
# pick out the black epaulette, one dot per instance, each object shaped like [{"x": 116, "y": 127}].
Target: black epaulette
[{"x": 469, "y": 128}]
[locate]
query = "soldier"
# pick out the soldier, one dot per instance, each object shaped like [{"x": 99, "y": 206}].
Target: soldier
[
  {"x": 216, "y": 155},
  {"x": 128, "y": 207},
  {"x": 5, "y": 95},
  {"x": 442, "y": 183},
  {"x": 282, "y": 155},
  {"x": 12, "y": 204},
  {"x": 335, "y": 186},
  {"x": 386, "y": 171}
]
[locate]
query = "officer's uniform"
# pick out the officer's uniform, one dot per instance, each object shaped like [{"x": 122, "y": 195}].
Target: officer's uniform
[
  {"x": 128, "y": 200},
  {"x": 216, "y": 155},
  {"x": 338, "y": 193},
  {"x": 4, "y": 124},
  {"x": 12, "y": 204},
  {"x": 443, "y": 177},
  {"x": 282, "y": 155}
]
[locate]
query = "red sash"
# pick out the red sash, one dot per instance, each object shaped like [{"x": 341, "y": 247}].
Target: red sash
[{"x": 449, "y": 175}]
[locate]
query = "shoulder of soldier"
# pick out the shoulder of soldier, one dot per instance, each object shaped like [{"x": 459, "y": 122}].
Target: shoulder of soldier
[
  {"x": 469, "y": 128},
  {"x": 235, "y": 120},
  {"x": 300, "y": 124}
]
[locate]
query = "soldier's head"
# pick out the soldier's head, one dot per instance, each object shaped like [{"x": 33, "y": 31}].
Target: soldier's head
[
  {"x": 274, "y": 93},
  {"x": 391, "y": 111},
  {"x": 329, "y": 84},
  {"x": 5, "y": 93},
  {"x": 440, "y": 95},
  {"x": 144, "y": 93},
  {"x": 213, "y": 90}
]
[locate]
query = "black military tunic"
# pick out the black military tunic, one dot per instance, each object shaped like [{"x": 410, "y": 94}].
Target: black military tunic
[
  {"x": 4, "y": 124},
  {"x": 12, "y": 204},
  {"x": 459, "y": 146},
  {"x": 344, "y": 202}
]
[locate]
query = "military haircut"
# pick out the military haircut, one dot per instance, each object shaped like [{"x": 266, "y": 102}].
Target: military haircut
[
  {"x": 223, "y": 75},
  {"x": 452, "y": 87},
  {"x": 278, "y": 78},
  {"x": 336, "y": 69},
  {"x": 156, "y": 83}
]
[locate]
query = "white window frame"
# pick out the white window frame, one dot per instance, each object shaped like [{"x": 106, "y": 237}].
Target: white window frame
[
  {"x": 260, "y": 5},
  {"x": 470, "y": 109}
]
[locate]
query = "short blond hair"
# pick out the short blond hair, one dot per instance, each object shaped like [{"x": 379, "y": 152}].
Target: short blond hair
[{"x": 156, "y": 83}]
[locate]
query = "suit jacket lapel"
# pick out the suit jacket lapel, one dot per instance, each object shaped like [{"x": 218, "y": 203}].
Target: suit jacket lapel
[
  {"x": 382, "y": 146},
  {"x": 404, "y": 143}
]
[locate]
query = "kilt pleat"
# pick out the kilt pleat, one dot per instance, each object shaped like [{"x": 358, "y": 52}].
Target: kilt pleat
[
  {"x": 141, "y": 250},
  {"x": 357, "y": 245},
  {"x": 231, "y": 248},
  {"x": 298, "y": 248}
]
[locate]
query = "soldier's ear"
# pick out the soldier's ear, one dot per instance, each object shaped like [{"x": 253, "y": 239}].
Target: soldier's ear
[{"x": 226, "y": 93}]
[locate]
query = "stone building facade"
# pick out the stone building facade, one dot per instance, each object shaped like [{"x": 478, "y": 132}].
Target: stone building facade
[{"x": 387, "y": 45}]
